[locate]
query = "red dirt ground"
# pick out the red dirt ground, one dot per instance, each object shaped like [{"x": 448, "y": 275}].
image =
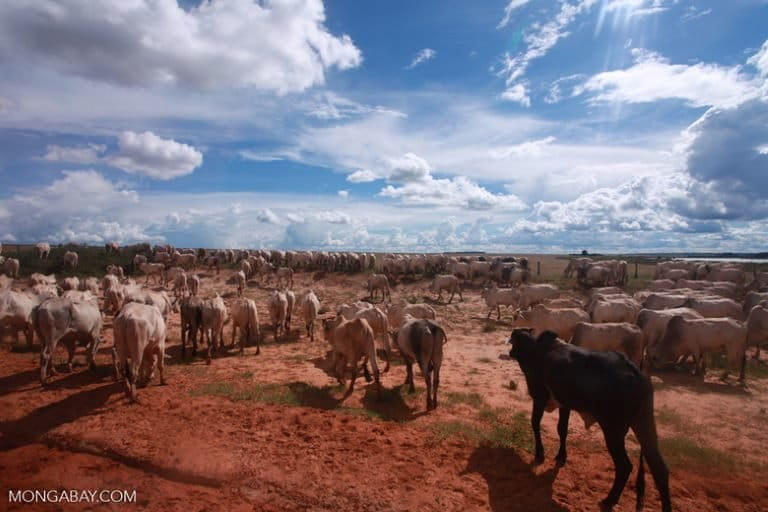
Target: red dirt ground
[{"x": 183, "y": 448}]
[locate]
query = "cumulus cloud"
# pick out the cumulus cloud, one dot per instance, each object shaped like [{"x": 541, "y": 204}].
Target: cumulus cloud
[
  {"x": 459, "y": 192},
  {"x": 723, "y": 153},
  {"x": 80, "y": 206},
  {"x": 422, "y": 56},
  {"x": 149, "y": 155},
  {"x": 654, "y": 78},
  {"x": 362, "y": 176},
  {"x": 78, "y": 155},
  {"x": 555, "y": 93},
  {"x": 343, "y": 194},
  {"x": 512, "y": 6},
  {"x": 408, "y": 168},
  {"x": 760, "y": 60},
  {"x": 276, "y": 45}
]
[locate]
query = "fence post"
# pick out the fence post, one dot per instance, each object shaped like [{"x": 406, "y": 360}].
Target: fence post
[
  {"x": 635, "y": 269},
  {"x": 538, "y": 268}
]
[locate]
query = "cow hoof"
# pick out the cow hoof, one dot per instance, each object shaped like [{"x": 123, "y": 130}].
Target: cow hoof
[
  {"x": 539, "y": 459},
  {"x": 606, "y": 506},
  {"x": 560, "y": 461}
]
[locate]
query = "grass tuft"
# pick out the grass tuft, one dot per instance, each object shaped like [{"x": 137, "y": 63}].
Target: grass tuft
[{"x": 472, "y": 399}]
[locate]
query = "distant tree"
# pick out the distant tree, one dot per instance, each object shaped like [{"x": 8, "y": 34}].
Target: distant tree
[{"x": 584, "y": 252}]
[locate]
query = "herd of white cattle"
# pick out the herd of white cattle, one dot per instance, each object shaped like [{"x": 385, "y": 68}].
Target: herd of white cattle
[{"x": 688, "y": 310}]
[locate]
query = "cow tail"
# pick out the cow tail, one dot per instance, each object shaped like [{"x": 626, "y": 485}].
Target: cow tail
[{"x": 640, "y": 484}]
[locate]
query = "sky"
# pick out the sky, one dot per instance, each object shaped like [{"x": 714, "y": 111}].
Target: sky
[{"x": 437, "y": 125}]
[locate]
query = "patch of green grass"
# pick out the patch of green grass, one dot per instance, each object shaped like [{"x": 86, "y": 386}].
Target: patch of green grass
[
  {"x": 489, "y": 327},
  {"x": 685, "y": 451},
  {"x": 447, "y": 429},
  {"x": 299, "y": 358},
  {"x": 294, "y": 394},
  {"x": 365, "y": 413},
  {"x": 459, "y": 397},
  {"x": 496, "y": 430},
  {"x": 667, "y": 416},
  {"x": 246, "y": 375},
  {"x": 412, "y": 299},
  {"x": 484, "y": 360},
  {"x": 753, "y": 369}
]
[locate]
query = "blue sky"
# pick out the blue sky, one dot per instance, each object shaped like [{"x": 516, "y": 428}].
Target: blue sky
[{"x": 512, "y": 125}]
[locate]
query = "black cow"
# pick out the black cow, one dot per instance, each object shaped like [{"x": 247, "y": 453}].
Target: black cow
[{"x": 603, "y": 385}]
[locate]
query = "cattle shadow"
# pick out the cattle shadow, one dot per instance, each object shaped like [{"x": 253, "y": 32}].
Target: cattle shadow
[
  {"x": 512, "y": 483},
  {"x": 681, "y": 377},
  {"x": 12, "y": 383},
  {"x": 32, "y": 427},
  {"x": 391, "y": 406},
  {"x": 81, "y": 376}
]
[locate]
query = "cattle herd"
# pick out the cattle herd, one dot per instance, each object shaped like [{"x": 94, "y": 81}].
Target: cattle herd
[{"x": 591, "y": 351}]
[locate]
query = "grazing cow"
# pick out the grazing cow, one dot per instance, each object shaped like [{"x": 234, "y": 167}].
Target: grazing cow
[
  {"x": 42, "y": 250},
  {"x": 156, "y": 270},
  {"x": 194, "y": 284},
  {"x": 90, "y": 284},
  {"x": 350, "y": 341},
  {"x": 70, "y": 283},
  {"x": 112, "y": 248},
  {"x": 70, "y": 260},
  {"x": 290, "y": 297},
  {"x": 377, "y": 319},
  {"x": 757, "y": 328},
  {"x": 138, "y": 261},
  {"x": 654, "y": 323},
  {"x": 532, "y": 294},
  {"x": 67, "y": 320},
  {"x": 603, "y": 386},
  {"x": 186, "y": 260},
  {"x": 11, "y": 267},
  {"x": 575, "y": 264},
  {"x": 116, "y": 270},
  {"x": 114, "y": 297},
  {"x": 284, "y": 274},
  {"x": 421, "y": 341},
  {"x": 378, "y": 282},
  {"x": 214, "y": 318},
  {"x": 140, "y": 333},
  {"x": 619, "y": 337},
  {"x": 245, "y": 317},
  {"x": 396, "y": 313},
  {"x": 191, "y": 313},
  {"x": 563, "y": 321},
  {"x": 496, "y": 297},
  {"x": 310, "y": 307},
  {"x": 716, "y": 308},
  {"x": 278, "y": 311},
  {"x": 449, "y": 283},
  {"x": 614, "y": 309},
  {"x": 240, "y": 282},
  {"x": 698, "y": 336},
  {"x": 16, "y": 310}
]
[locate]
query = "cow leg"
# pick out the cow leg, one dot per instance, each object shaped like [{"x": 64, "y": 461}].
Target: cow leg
[
  {"x": 428, "y": 381},
  {"x": 92, "y": 351},
  {"x": 71, "y": 346},
  {"x": 614, "y": 440},
  {"x": 366, "y": 372},
  {"x": 645, "y": 431},
  {"x": 351, "y": 382},
  {"x": 536, "y": 415},
  {"x": 234, "y": 329},
  {"x": 161, "y": 364},
  {"x": 409, "y": 376},
  {"x": 435, "y": 385},
  {"x": 45, "y": 362},
  {"x": 562, "y": 431},
  {"x": 498, "y": 311},
  {"x": 116, "y": 363}
]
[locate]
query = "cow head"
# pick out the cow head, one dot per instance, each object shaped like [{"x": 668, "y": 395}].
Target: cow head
[{"x": 523, "y": 343}]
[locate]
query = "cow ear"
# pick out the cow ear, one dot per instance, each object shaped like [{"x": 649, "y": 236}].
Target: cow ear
[{"x": 547, "y": 338}]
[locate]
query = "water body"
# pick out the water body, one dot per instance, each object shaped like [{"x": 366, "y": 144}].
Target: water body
[{"x": 733, "y": 260}]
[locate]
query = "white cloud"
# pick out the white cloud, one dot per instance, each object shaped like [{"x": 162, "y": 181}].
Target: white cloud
[
  {"x": 653, "y": 78},
  {"x": 423, "y": 55},
  {"x": 78, "y": 155},
  {"x": 331, "y": 106},
  {"x": 637, "y": 7},
  {"x": 343, "y": 194},
  {"x": 517, "y": 93},
  {"x": 528, "y": 149},
  {"x": 256, "y": 156},
  {"x": 149, "y": 155},
  {"x": 509, "y": 9},
  {"x": 457, "y": 192},
  {"x": 278, "y": 46},
  {"x": 408, "y": 168},
  {"x": 692, "y": 12},
  {"x": 362, "y": 176},
  {"x": 555, "y": 93},
  {"x": 760, "y": 60},
  {"x": 539, "y": 39}
]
